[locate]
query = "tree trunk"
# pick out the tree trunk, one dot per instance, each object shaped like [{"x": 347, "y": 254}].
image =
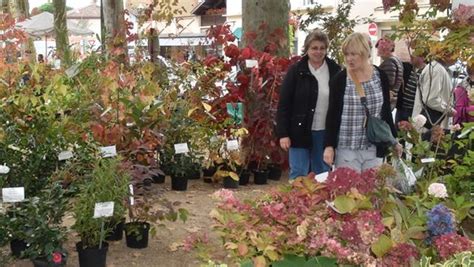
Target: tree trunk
[
  {"x": 115, "y": 32},
  {"x": 272, "y": 15},
  {"x": 22, "y": 8},
  {"x": 5, "y": 6},
  {"x": 60, "y": 29}
]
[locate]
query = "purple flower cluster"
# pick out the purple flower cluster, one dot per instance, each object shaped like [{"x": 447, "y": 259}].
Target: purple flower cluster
[{"x": 440, "y": 222}]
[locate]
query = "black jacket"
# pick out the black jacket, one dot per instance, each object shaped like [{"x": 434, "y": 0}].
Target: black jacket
[
  {"x": 336, "y": 103},
  {"x": 298, "y": 97}
]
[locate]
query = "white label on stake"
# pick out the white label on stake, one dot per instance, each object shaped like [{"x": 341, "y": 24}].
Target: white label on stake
[
  {"x": 104, "y": 209},
  {"x": 65, "y": 155},
  {"x": 13, "y": 194},
  {"x": 108, "y": 151},
  {"x": 428, "y": 160},
  {"x": 132, "y": 201},
  {"x": 130, "y": 186},
  {"x": 232, "y": 145},
  {"x": 322, "y": 177},
  {"x": 181, "y": 148},
  {"x": 250, "y": 63}
]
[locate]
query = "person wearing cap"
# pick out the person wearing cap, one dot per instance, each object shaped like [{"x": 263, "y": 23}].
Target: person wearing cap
[
  {"x": 392, "y": 66},
  {"x": 303, "y": 105}
]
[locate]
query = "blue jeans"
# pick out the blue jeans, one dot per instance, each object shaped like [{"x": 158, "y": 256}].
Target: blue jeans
[{"x": 301, "y": 159}]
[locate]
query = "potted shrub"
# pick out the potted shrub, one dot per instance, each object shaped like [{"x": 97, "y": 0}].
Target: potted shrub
[
  {"x": 102, "y": 186},
  {"x": 46, "y": 234},
  {"x": 180, "y": 167},
  {"x": 143, "y": 218}
]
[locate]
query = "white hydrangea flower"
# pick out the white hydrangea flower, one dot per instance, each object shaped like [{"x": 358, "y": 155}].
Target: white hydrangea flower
[
  {"x": 419, "y": 121},
  {"x": 4, "y": 169},
  {"x": 437, "y": 190}
]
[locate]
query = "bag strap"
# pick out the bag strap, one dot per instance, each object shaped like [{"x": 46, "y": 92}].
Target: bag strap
[{"x": 360, "y": 91}]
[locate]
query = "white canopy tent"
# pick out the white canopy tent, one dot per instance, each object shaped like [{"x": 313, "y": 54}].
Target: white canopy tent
[{"x": 42, "y": 25}]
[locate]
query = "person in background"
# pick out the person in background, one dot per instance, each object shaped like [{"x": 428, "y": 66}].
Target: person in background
[
  {"x": 346, "y": 142},
  {"x": 463, "y": 94},
  {"x": 303, "y": 105},
  {"x": 433, "y": 95},
  {"x": 406, "y": 94},
  {"x": 392, "y": 66},
  {"x": 40, "y": 58}
]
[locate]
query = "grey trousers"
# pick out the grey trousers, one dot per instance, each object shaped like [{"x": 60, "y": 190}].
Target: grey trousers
[{"x": 359, "y": 160}]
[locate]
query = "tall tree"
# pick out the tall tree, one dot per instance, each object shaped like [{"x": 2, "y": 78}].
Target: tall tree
[
  {"x": 60, "y": 29},
  {"x": 268, "y": 19},
  {"x": 115, "y": 32}
]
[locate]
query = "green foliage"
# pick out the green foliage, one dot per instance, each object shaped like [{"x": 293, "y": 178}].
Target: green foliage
[
  {"x": 460, "y": 259},
  {"x": 49, "y": 7},
  {"x": 108, "y": 182},
  {"x": 293, "y": 260}
]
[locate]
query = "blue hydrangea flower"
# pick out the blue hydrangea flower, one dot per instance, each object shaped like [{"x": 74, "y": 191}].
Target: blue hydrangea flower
[{"x": 440, "y": 222}]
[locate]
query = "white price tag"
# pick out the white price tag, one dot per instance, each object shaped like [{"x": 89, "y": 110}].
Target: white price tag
[
  {"x": 132, "y": 201},
  {"x": 65, "y": 155},
  {"x": 232, "y": 145},
  {"x": 108, "y": 151},
  {"x": 322, "y": 177},
  {"x": 104, "y": 209},
  {"x": 13, "y": 194},
  {"x": 250, "y": 63},
  {"x": 181, "y": 148},
  {"x": 427, "y": 160},
  {"x": 130, "y": 186}
]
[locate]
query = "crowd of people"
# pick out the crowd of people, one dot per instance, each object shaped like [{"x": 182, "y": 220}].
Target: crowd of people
[{"x": 323, "y": 109}]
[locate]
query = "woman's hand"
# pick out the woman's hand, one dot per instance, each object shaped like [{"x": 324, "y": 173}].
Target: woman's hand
[
  {"x": 328, "y": 155},
  {"x": 398, "y": 150},
  {"x": 285, "y": 143}
]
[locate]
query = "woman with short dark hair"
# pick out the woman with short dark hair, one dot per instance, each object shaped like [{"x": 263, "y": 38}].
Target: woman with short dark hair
[{"x": 303, "y": 106}]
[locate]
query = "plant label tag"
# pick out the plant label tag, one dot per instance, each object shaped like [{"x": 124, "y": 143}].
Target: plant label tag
[
  {"x": 181, "y": 148},
  {"x": 108, "y": 151},
  {"x": 130, "y": 186},
  {"x": 132, "y": 201},
  {"x": 250, "y": 63},
  {"x": 65, "y": 155},
  {"x": 13, "y": 194},
  {"x": 332, "y": 206},
  {"x": 322, "y": 177},
  {"x": 232, "y": 145},
  {"x": 466, "y": 132},
  {"x": 427, "y": 160},
  {"x": 104, "y": 209}
]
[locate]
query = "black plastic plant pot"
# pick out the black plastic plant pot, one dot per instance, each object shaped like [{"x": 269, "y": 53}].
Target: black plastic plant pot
[
  {"x": 117, "y": 232},
  {"x": 158, "y": 179},
  {"x": 92, "y": 257},
  {"x": 147, "y": 182},
  {"x": 43, "y": 262},
  {"x": 179, "y": 183},
  {"x": 275, "y": 172},
  {"x": 17, "y": 246},
  {"x": 136, "y": 234},
  {"x": 260, "y": 176},
  {"x": 209, "y": 172},
  {"x": 194, "y": 174},
  {"x": 244, "y": 177},
  {"x": 230, "y": 183}
]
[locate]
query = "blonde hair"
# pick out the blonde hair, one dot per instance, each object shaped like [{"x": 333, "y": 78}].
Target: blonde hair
[
  {"x": 315, "y": 35},
  {"x": 358, "y": 43}
]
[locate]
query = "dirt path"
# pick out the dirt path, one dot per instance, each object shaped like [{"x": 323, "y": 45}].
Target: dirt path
[{"x": 165, "y": 248}]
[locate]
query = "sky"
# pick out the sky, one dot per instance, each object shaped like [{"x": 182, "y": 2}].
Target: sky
[{"x": 71, "y": 3}]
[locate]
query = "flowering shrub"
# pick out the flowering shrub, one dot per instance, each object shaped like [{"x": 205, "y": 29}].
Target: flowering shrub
[
  {"x": 401, "y": 255},
  {"x": 449, "y": 244},
  {"x": 440, "y": 221}
]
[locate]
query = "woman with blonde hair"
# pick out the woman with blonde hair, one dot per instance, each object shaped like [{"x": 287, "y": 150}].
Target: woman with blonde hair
[
  {"x": 346, "y": 143},
  {"x": 303, "y": 105}
]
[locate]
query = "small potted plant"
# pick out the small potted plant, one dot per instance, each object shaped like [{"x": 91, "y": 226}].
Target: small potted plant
[
  {"x": 102, "y": 186},
  {"x": 46, "y": 235},
  {"x": 143, "y": 218}
]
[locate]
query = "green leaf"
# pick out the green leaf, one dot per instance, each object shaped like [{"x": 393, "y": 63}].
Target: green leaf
[
  {"x": 388, "y": 221},
  {"x": 246, "y": 263},
  {"x": 290, "y": 261},
  {"x": 382, "y": 246},
  {"x": 183, "y": 214},
  {"x": 344, "y": 204},
  {"x": 321, "y": 261}
]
